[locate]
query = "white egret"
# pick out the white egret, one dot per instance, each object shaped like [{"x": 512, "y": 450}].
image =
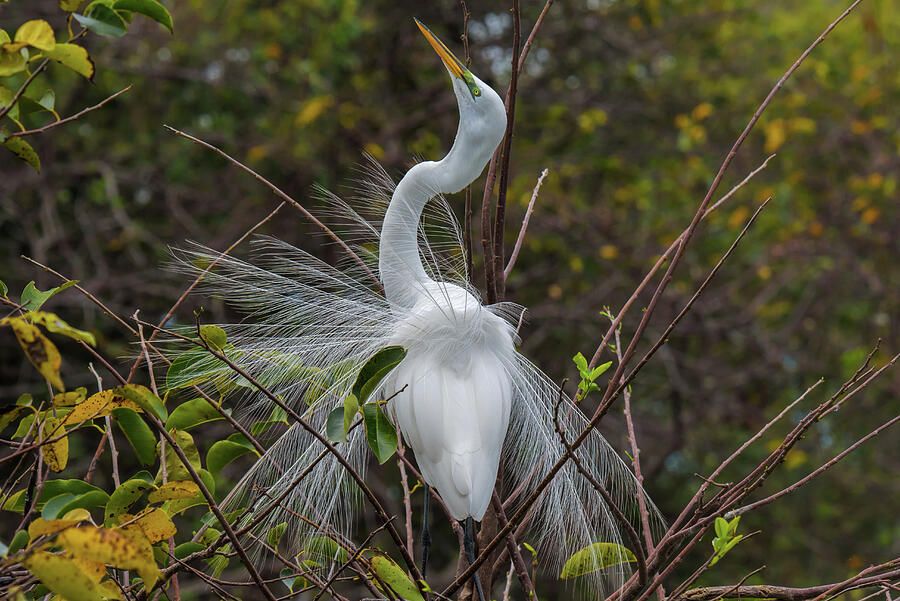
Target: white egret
[{"x": 471, "y": 401}]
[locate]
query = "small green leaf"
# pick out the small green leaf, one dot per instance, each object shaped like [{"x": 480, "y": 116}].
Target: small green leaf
[
  {"x": 33, "y": 299},
  {"x": 138, "y": 434},
  {"x": 3, "y": 289},
  {"x": 74, "y": 57},
  {"x": 394, "y": 577},
  {"x": 334, "y": 426},
  {"x": 51, "y": 509},
  {"x": 596, "y": 557},
  {"x": 214, "y": 336},
  {"x": 721, "y": 528},
  {"x": 24, "y": 151},
  {"x": 103, "y": 20},
  {"x": 185, "y": 549},
  {"x": 598, "y": 371},
  {"x": 175, "y": 469},
  {"x": 380, "y": 432},
  {"x": 191, "y": 414},
  {"x": 223, "y": 452},
  {"x": 327, "y": 549},
  {"x": 278, "y": 416},
  {"x": 18, "y": 542},
  {"x": 375, "y": 369},
  {"x": 273, "y": 536},
  {"x": 580, "y": 362},
  {"x": 148, "y": 8},
  {"x": 351, "y": 408},
  {"x": 11, "y": 62},
  {"x": 52, "y": 488}
]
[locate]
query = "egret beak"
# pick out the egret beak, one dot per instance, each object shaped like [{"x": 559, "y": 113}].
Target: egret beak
[{"x": 452, "y": 63}]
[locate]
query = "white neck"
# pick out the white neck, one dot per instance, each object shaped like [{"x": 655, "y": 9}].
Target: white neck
[{"x": 480, "y": 130}]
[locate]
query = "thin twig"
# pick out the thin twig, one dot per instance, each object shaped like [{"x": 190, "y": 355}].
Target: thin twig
[
  {"x": 525, "y": 220},
  {"x": 78, "y": 115}
]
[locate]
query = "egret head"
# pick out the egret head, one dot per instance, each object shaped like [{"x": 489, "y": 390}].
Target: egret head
[{"x": 482, "y": 116}]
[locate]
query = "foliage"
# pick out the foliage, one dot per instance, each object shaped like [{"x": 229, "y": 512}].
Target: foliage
[{"x": 631, "y": 105}]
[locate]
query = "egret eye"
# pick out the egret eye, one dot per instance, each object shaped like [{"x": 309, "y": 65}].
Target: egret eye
[{"x": 476, "y": 92}]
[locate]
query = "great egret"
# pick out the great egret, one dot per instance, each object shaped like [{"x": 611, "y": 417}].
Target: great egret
[{"x": 470, "y": 397}]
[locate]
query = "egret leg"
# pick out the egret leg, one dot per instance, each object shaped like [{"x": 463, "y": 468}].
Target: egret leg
[
  {"x": 469, "y": 544},
  {"x": 426, "y": 534}
]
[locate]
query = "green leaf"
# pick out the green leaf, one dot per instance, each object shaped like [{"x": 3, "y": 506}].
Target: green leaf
[
  {"x": 224, "y": 452},
  {"x": 214, "y": 336},
  {"x": 11, "y": 416},
  {"x": 124, "y": 497},
  {"x": 51, "y": 509},
  {"x": 580, "y": 362},
  {"x": 6, "y": 97},
  {"x": 36, "y": 33},
  {"x": 52, "y": 488},
  {"x": 334, "y": 426},
  {"x": 94, "y": 498},
  {"x": 375, "y": 369},
  {"x": 721, "y": 548},
  {"x": 273, "y": 537},
  {"x": 380, "y": 432},
  {"x": 148, "y": 8},
  {"x": 278, "y": 416},
  {"x": 721, "y": 528},
  {"x": 33, "y": 299},
  {"x": 185, "y": 549},
  {"x": 598, "y": 371},
  {"x": 596, "y": 557},
  {"x": 175, "y": 469},
  {"x": 3, "y": 289},
  {"x": 18, "y": 542},
  {"x": 351, "y": 408},
  {"x": 327, "y": 549},
  {"x": 191, "y": 414},
  {"x": 23, "y": 150},
  {"x": 144, "y": 398},
  {"x": 138, "y": 434},
  {"x": 11, "y": 62},
  {"x": 74, "y": 57},
  {"x": 103, "y": 20},
  {"x": 394, "y": 577}
]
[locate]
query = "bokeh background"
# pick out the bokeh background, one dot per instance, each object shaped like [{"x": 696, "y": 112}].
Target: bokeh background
[{"x": 631, "y": 105}]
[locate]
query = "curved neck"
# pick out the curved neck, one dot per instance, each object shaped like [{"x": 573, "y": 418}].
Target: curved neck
[{"x": 399, "y": 264}]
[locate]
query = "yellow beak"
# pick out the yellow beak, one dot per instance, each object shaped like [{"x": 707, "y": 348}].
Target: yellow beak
[{"x": 452, "y": 63}]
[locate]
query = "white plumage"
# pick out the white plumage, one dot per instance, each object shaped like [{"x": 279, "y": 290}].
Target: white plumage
[{"x": 471, "y": 401}]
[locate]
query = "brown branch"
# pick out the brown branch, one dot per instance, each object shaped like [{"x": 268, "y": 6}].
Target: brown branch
[
  {"x": 278, "y": 192},
  {"x": 78, "y": 115},
  {"x": 22, "y": 88},
  {"x": 525, "y": 220}
]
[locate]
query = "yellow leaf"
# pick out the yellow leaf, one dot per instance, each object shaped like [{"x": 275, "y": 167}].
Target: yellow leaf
[
  {"x": 63, "y": 576},
  {"x": 70, "y": 5},
  {"x": 702, "y": 111},
  {"x": 40, "y": 526},
  {"x": 95, "y": 570},
  {"x": 55, "y": 453},
  {"x": 737, "y": 217},
  {"x": 40, "y": 351},
  {"x": 183, "y": 489},
  {"x": 74, "y": 57},
  {"x": 68, "y": 399},
  {"x": 111, "y": 590},
  {"x": 11, "y": 62},
  {"x": 37, "y": 33},
  {"x": 313, "y": 108},
  {"x": 98, "y": 405},
  {"x": 128, "y": 550},
  {"x": 776, "y": 135},
  {"x": 53, "y": 323},
  {"x": 155, "y": 524}
]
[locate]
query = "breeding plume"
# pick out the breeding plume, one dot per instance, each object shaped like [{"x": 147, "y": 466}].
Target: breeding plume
[{"x": 468, "y": 401}]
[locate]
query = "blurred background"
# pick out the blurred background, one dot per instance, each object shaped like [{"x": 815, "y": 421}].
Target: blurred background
[{"x": 632, "y": 106}]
